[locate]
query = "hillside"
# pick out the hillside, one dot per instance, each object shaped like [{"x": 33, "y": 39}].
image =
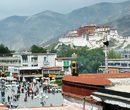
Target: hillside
[
  {"x": 122, "y": 25},
  {"x": 18, "y": 32}
]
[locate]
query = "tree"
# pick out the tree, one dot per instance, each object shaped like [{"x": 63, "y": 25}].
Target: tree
[
  {"x": 112, "y": 55},
  {"x": 4, "y": 49},
  {"x": 53, "y": 51},
  {"x": 36, "y": 49},
  {"x": 88, "y": 61}
]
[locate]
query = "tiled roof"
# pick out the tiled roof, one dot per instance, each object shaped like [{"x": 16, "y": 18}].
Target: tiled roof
[
  {"x": 87, "y": 80},
  {"x": 65, "y": 58}
]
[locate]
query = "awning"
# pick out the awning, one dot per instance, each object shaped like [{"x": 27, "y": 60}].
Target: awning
[{"x": 38, "y": 75}]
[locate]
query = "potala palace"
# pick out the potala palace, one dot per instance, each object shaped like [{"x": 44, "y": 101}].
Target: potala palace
[{"x": 90, "y": 35}]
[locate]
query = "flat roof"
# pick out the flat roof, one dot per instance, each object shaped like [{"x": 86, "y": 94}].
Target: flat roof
[
  {"x": 27, "y": 68},
  {"x": 51, "y": 68},
  {"x": 122, "y": 88},
  {"x": 65, "y": 58},
  {"x": 34, "y": 53}
]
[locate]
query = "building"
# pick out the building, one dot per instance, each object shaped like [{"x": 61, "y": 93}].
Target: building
[
  {"x": 65, "y": 64},
  {"x": 53, "y": 72},
  {"x": 90, "y": 35},
  {"x": 29, "y": 65},
  {"x": 123, "y": 65},
  {"x": 104, "y": 91},
  {"x": 26, "y": 65}
]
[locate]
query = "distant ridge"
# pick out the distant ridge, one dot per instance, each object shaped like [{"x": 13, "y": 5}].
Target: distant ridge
[{"x": 21, "y": 32}]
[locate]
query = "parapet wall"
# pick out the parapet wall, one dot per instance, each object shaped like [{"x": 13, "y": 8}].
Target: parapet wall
[{"x": 78, "y": 103}]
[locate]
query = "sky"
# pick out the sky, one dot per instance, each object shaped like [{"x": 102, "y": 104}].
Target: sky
[{"x": 31, "y": 7}]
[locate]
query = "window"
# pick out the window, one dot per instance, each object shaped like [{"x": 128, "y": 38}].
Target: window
[
  {"x": 34, "y": 59},
  {"x": 44, "y": 58}
]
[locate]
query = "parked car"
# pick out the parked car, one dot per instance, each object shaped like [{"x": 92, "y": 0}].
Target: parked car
[
  {"x": 7, "y": 84},
  {"x": 14, "y": 84},
  {"x": 56, "y": 89}
]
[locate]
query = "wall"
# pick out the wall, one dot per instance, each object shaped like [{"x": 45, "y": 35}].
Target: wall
[
  {"x": 78, "y": 90},
  {"x": 78, "y": 103},
  {"x": 61, "y": 64},
  {"x": 120, "y": 81}
]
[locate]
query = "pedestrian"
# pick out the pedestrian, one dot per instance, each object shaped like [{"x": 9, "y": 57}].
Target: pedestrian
[
  {"x": 32, "y": 96},
  {"x": 8, "y": 98},
  {"x": 49, "y": 90},
  {"x": 25, "y": 99},
  {"x": 22, "y": 89},
  {"x": 28, "y": 93}
]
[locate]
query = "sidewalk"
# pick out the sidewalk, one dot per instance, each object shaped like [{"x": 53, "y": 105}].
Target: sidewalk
[{"x": 49, "y": 108}]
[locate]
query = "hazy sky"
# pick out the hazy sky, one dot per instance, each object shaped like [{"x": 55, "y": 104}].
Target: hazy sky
[{"x": 31, "y": 7}]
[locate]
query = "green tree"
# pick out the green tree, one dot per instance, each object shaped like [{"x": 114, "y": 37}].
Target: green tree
[
  {"x": 4, "y": 49},
  {"x": 88, "y": 61},
  {"x": 112, "y": 55},
  {"x": 53, "y": 51},
  {"x": 36, "y": 49}
]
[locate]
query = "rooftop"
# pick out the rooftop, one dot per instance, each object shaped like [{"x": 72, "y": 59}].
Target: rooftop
[
  {"x": 65, "y": 58},
  {"x": 106, "y": 75},
  {"x": 87, "y": 80},
  {"x": 95, "y": 79}
]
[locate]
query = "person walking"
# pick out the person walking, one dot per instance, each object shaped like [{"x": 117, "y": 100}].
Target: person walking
[
  {"x": 8, "y": 98},
  {"x": 32, "y": 96}
]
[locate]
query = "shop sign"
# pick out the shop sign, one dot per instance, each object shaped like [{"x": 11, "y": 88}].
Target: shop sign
[
  {"x": 38, "y": 75},
  {"x": 52, "y": 75},
  {"x": 45, "y": 75},
  {"x": 66, "y": 62}
]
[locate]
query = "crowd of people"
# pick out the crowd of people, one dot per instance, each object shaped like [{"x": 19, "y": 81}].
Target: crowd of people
[{"x": 30, "y": 89}]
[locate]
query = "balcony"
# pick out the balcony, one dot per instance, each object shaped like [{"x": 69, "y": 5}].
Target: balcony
[
  {"x": 46, "y": 63},
  {"x": 34, "y": 62}
]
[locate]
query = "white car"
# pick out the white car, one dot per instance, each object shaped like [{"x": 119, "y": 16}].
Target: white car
[
  {"x": 56, "y": 89},
  {"x": 14, "y": 84}
]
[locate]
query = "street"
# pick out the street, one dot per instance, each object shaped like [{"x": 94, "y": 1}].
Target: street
[{"x": 54, "y": 99}]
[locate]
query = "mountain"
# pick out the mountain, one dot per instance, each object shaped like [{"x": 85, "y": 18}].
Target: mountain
[
  {"x": 122, "y": 25},
  {"x": 18, "y": 32}
]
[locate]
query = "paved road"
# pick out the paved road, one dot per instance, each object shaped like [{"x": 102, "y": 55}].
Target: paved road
[{"x": 55, "y": 100}]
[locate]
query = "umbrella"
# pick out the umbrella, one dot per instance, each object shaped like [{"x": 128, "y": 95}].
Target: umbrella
[
  {"x": 36, "y": 78},
  {"x": 43, "y": 78},
  {"x": 55, "y": 85},
  {"x": 53, "y": 78},
  {"x": 47, "y": 78},
  {"x": 52, "y": 81},
  {"x": 15, "y": 79},
  {"x": 45, "y": 83}
]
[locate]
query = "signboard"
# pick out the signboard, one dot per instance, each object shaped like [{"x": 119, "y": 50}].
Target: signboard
[
  {"x": 66, "y": 62},
  {"x": 52, "y": 75}
]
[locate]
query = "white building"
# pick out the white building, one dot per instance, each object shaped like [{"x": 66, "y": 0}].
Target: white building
[
  {"x": 36, "y": 59},
  {"x": 92, "y": 36},
  {"x": 65, "y": 64}
]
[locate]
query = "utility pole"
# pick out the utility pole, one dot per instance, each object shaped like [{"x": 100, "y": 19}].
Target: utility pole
[
  {"x": 18, "y": 68},
  {"x": 106, "y": 43}
]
